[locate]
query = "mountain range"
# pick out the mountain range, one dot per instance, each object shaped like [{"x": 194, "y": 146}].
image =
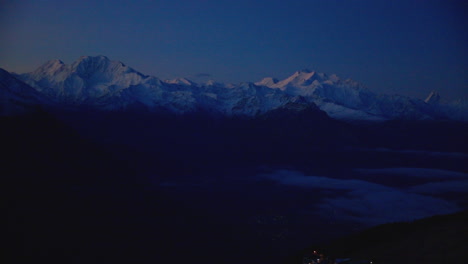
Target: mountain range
[
  {"x": 98, "y": 83},
  {"x": 105, "y": 164}
]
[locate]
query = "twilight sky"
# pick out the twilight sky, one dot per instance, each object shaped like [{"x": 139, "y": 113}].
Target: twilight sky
[{"x": 409, "y": 47}]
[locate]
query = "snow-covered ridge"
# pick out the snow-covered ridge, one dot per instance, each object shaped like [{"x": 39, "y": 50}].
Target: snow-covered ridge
[
  {"x": 101, "y": 83},
  {"x": 111, "y": 85},
  {"x": 86, "y": 78}
]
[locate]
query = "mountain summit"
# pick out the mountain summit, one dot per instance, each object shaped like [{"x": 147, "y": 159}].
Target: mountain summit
[
  {"x": 433, "y": 98},
  {"x": 304, "y": 78},
  {"x": 86, "y": 79}
]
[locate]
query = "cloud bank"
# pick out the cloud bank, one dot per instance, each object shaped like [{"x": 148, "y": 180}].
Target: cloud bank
[
  {"x": 370, "y": 203},
  {"x": 417, "y": 172}
]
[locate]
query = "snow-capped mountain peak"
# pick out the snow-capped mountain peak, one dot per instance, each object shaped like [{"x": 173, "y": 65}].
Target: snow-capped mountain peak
[
  {"x": 50, "y": 67},
  {"x": 87, "y": 66},
  {"x": 88, "y": 78},
  {"x": 433, "y": 98},
  {"x": 181, "y": 81},
  {"x": 299, "y": 79},
  {"x": 267, "y": 81},
  {"x": 213, "y": 83}
]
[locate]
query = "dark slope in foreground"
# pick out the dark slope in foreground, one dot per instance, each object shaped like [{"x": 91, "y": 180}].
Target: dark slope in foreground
[
  {"x": 63, "y": 196},
  {"x": 437, "y": 239},
  {"x": 67, "y": 200}
]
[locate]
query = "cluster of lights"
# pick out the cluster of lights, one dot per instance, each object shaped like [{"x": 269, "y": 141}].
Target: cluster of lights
[{"x": 321, "y": 259}]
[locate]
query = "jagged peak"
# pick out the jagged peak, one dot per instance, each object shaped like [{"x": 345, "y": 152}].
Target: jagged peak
[
  {"x": 217, "y": 84},
  {"x": 89, "y": 65},
  {"x": 307, "y": 74},
  {"x": 180, "y": 81},
  {"x": 267, "y": 81},
  {"x": 274, "y": 80},
  {"x": 50, "y": 66},
  {"x": 433, "y": 97},
  {"x": 301, "y": 78},
  {"x": 247, "y": 85},
  {"x": 334, "y": 78},
  {"x": 210, "y": 82},
  {"x": 56, "y": 61}
]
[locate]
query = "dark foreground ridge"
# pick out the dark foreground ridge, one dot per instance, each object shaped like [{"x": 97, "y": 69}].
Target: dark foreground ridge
[
  {"x": 437, "y": 239},
  {"x": 84, "y": 188}
]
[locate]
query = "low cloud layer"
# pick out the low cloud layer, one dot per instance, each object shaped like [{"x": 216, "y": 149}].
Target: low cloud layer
[
  {"x": 417, "y": 172},
  {"x": 442, "y": 187},
  {"x": 371, "y": 203}
]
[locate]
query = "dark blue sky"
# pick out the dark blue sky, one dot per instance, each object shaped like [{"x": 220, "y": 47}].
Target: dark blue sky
[{"x": 407, "y": 47}]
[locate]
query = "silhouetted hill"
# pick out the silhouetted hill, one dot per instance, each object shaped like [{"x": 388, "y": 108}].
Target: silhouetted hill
[
  {"x": 438, "y": 239},
  {"x": 76, "y": 190},
  {"x": 66, "y": 199}
]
